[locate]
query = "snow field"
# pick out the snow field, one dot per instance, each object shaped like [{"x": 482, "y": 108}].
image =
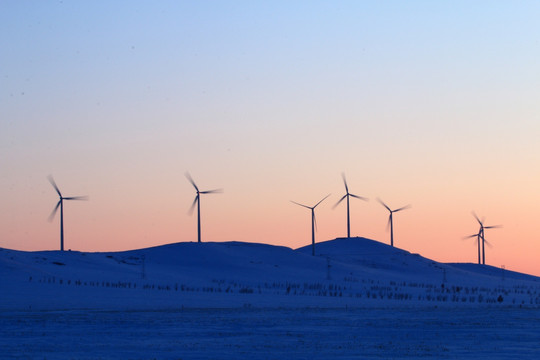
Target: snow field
[
  {"x": 356, "y": 299},
  {"x": 271, "y": 333},
  {"x": 346, "y": 273}
]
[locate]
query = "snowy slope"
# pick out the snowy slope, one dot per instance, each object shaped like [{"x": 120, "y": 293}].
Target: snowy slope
[
  {"x": 352, "y": 272},
  {"x": 382, "y": 261}
]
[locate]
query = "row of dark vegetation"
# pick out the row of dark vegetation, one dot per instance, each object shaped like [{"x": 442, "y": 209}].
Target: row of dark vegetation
[{"x": 373, "y": 290}]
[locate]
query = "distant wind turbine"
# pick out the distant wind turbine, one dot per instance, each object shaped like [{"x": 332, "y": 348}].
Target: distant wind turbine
[
  {"x": 478, "y": 238},
  {"x": 197, "y": 201},
  {"x": 348, "y": 195},
  {"x": 481, "y": 232},
  {"x": 391, "y": 219},
  {"x": 313, "y": 221},
  {"x": 60, "y": 205}
]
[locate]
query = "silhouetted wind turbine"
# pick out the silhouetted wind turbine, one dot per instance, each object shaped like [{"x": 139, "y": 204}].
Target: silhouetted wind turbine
[
  {"x": 482, "y": 235},
  {"x": 348, "y": 195},
  {"x": 478, "y": 237},
  {"x": 60, "y": 205},
  {"x": 391, "y": 219},
  {"x": 313, "y": 221},
  {"x": 198, "y": 202}
]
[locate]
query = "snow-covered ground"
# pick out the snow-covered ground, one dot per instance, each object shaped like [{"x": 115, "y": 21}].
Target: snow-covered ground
[
  {"x": 375, "y": 333},
  {"x": 354, "y": 272},
  {"x": 357, "y": 297}
]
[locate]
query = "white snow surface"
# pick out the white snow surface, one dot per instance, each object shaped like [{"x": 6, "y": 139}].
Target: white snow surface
[{"x": 357, "y": 298}]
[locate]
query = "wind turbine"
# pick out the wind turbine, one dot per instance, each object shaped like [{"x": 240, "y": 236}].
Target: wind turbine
[
  {"x": 60, "y": 205},
  {"x": 478, "y": 237},
  {"x": 313, "y": 221},
  {"x": 481, "y": 233},
  {"x": 391, "y": 219},
  {"x": 198, "y": 202},
  {"x": 348, "y": 195}
]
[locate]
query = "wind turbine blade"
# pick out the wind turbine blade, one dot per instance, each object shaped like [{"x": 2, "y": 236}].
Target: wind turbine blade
[
  {"x": 340, "y": 200},
  {"x": 191, "y": 181},
  {"x": 321, "y": 200},
  {"x": 192, "y": 207},
  {"x": 403, "y": 208},
  {"x": 359, "y": 197},
  {"x": 383, "y": 204},
  {"x": 388, "y": 223},
  {"x": 493, "y": 227},
  {"x": 51, "y": 217},
  {"x": 470, "y": 236},
  {"x": 488, "y": 244},
  {"x": 345, "y": 182},
  {"x": 215, "y": 191},
  {"x": 294, "y": 202},
  {"x": 477, "y": 218},
  {"x": 53, "y": 183},
  {"x": 315, "y": 221},
  {"x": 76, "y": 198}
]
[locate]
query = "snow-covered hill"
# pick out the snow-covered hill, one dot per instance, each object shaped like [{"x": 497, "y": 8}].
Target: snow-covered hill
[{"x": 351, "y": 272}]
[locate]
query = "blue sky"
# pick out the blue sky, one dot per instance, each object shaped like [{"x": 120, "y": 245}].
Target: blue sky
[{"x": 429, "y": 103}]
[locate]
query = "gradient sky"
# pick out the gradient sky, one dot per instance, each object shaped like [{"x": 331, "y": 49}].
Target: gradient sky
[{"x": 430, "y": 103}]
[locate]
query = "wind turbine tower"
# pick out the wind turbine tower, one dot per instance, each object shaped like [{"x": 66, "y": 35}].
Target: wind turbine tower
[
  {"x": 60, "y": 205},
  {"x": 391, "y": 219},
  {"x": 197, "y": 202},
  {"x": 313, "y": 221},
  {"x": 347, "y": 196}
]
